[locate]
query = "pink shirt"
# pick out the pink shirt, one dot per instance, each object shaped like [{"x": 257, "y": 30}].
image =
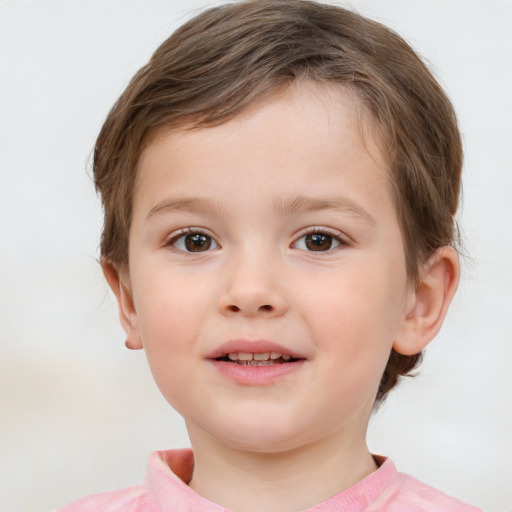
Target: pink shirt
[{"x": 165, "y": 490}]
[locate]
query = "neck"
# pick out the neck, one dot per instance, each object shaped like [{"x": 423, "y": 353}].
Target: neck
[{"x": 246, "y": 481}]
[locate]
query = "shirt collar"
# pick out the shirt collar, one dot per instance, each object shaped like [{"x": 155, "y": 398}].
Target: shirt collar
[{"x": 169, "y": 472}]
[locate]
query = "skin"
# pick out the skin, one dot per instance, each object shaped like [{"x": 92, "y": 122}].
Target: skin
[{"x": 294, "y": 442}]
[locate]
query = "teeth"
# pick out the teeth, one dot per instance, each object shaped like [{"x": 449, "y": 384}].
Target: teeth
[
  {"x": 257, "y": 359},
  {"x": 256, "y": 363}
]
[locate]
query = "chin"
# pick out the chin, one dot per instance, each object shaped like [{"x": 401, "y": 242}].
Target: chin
[{"x": 259, "y": 436}]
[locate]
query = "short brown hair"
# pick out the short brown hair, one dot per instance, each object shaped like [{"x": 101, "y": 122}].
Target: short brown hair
[{"x": 230, "y": 57}]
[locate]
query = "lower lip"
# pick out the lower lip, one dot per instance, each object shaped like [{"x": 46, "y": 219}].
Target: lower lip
[{"x": 256, "y": 375}]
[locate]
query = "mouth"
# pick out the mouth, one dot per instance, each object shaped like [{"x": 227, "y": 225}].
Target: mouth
[
  {"x": 257, "y": 359},
  {"x": 252, "y": 361}
]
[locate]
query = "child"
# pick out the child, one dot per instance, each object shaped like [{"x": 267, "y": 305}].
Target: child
[{"x": 279, "y": 185}]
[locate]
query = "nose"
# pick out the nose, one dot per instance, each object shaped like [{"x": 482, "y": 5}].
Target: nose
[{"x": 251, "y": 289}]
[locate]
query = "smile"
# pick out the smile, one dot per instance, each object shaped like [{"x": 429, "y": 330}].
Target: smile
[
  {"x": 252, "y": 361},
  {"x": 257, "y": 359}
]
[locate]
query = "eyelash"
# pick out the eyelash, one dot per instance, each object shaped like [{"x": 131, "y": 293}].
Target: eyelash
[
  {"x": 182, "y": 233},
  {"x": 334, "y": 235}
]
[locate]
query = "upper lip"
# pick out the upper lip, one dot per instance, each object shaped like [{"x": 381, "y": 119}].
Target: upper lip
[{"x": 252, "y": 346}]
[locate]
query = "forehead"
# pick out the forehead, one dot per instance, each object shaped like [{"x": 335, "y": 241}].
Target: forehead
[{"x": 310, "y": 112}]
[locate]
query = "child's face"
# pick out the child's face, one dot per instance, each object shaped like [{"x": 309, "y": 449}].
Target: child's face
[{"x": 277, "y": 227}]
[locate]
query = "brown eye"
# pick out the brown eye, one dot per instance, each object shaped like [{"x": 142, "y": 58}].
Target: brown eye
[
  {"x": 318, "y": 242},
  {"x": 188, "y": 241},
  {"x": 197, "y": 242}
]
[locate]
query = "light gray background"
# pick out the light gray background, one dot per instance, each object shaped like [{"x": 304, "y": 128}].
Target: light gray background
[{"x": 79, "y": 413}]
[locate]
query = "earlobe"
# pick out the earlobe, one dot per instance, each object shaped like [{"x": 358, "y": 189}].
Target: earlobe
[
  {"x": 127, "y": 313},
  {"x": 429, "y": 301}
]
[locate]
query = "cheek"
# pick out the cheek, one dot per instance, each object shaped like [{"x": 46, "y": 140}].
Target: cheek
[
  {"x": 355, "y": 347},
  {"x": 361, "y": 306},
  {"x": 354, "y": 321},
  {"x": 172, "y": 304},
  {"x": 170, "y": 319}
]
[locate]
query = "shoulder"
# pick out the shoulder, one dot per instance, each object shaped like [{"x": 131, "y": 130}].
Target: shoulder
[
  {"x": 164, "y": 488},
  {"x": 409, "y": 493},
  {"x": 131, "y": 499}
]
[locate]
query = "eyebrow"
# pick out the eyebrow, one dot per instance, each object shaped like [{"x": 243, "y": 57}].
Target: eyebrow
[
  {"x": 185, "y": 205},
  {"x": 281, "y": 207},
  {"x": 304, "y": 204}
]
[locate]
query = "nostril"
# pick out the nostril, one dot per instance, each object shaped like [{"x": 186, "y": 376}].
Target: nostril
[{"x": 250, "y": 309}]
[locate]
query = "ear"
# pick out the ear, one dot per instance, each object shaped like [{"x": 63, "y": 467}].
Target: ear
[
  {"x": 428, "y": 303},
  {"x": 120, "y": 285}
]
